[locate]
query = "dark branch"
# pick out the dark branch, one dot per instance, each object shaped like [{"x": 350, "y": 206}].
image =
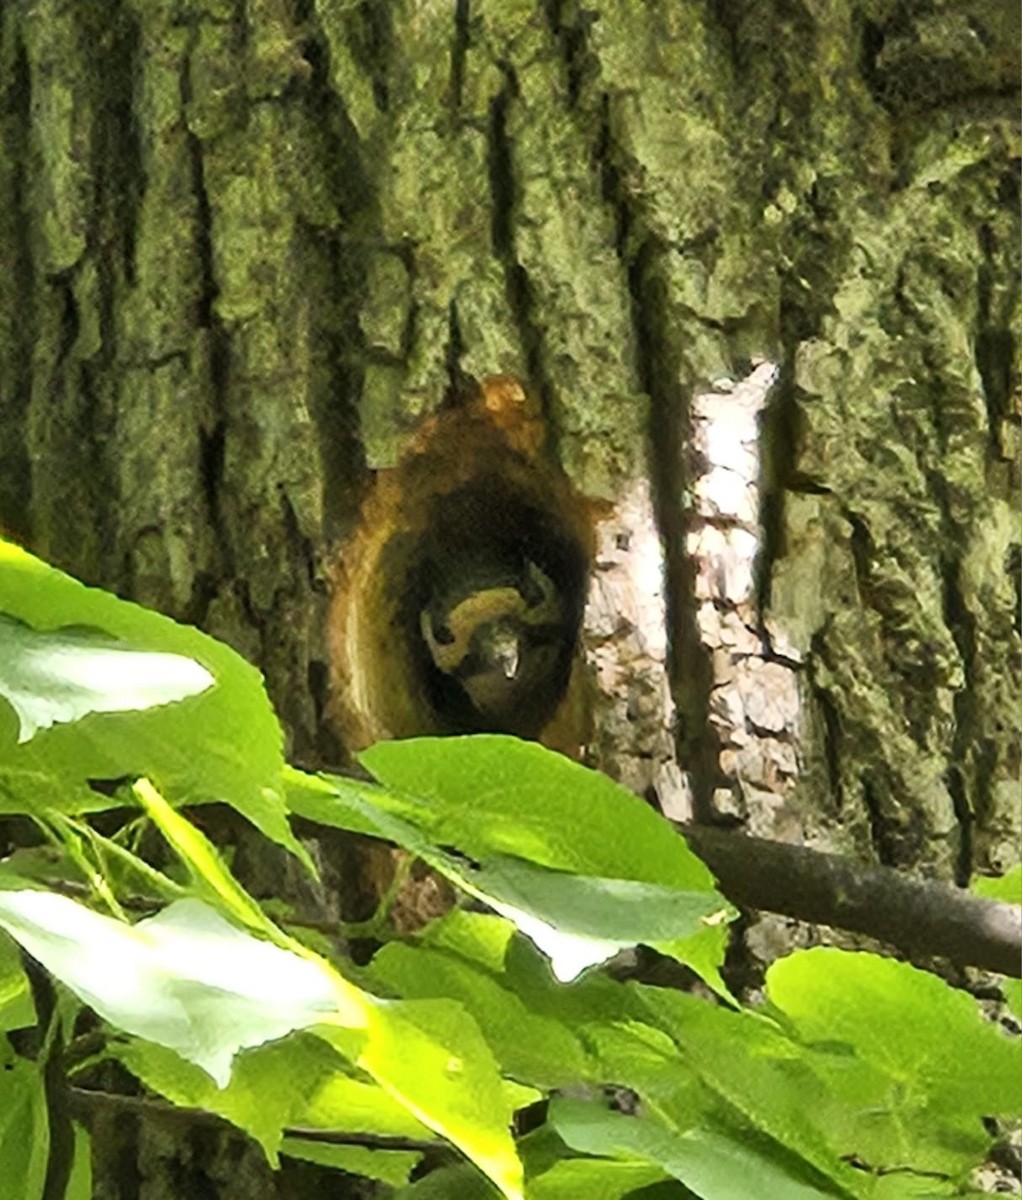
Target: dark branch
[
  {"x": 918, "y": 917},
  {"x": 84, "y": 1102}
]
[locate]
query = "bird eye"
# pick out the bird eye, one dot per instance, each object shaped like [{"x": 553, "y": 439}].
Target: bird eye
[{"x": 442, "y": 634}]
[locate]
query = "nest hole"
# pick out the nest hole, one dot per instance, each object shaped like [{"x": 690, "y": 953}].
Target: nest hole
[{"x": 487, "y": 520}]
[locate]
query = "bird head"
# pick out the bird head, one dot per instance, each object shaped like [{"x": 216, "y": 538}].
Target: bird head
[{"x": 499, "y": 643}]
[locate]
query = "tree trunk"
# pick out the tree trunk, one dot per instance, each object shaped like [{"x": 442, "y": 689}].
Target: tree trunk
[{"x": 251, "y": 247}]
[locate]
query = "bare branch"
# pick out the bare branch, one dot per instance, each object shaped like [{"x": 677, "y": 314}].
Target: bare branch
[{"x": 918, "y": 916}]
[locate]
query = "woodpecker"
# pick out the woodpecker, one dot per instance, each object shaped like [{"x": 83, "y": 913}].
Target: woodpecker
[{"x": 499, "y": 634}]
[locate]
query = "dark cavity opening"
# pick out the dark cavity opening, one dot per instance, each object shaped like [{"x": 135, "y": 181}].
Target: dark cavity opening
[{"x": 480, "y": 535}]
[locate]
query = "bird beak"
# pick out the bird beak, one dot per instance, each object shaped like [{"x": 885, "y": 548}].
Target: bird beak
[{"x": 509, "y": 661}]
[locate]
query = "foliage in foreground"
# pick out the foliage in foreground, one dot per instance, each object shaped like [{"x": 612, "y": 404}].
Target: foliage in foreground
[{"x": 858, "y": 1076}]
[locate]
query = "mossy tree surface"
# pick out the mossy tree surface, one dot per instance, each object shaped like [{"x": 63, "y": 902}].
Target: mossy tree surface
[{"x": 248, "y": 245}]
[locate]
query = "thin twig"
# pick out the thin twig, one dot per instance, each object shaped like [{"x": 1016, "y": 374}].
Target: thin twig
[{"x": 85, "y": 1102}]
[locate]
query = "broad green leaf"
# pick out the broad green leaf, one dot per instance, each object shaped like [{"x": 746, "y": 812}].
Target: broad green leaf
[
  {"x": 646, "y": 1059},
  {"x": 480, "y": 938},
  {"x": 529, "y": 1047},
  {"x": 224, "y": 743},
  {"x": 433, "y": 1069},
  {"x": 184, "y": 979},
  {"x": 62, "y": 675},
  {"x": 390, "y": 1166},
  {"x": 713, "y": 1165},
  {"x": 24, "y": 1127},
  {"x": 39, "y": 791},
  {"x": 580, "y": 921},
  {"x": 577, "y": 921},
  {"x": 430, "y": 1055},
  {"x": 358, "y": 807},
  {"x": 901, "y": 1022},
  {"x": 624, "y": 911},
  {"x": 334, "y": 800},
  {"x": 271, "y": 1088},
  {"x": 765, "y": 1077},
  {"x": 492, "y": 795},
  {"x": 17, "y": 1010}
]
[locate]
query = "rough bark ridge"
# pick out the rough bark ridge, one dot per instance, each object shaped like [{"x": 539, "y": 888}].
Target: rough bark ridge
[{"x": 249, "y": 243}]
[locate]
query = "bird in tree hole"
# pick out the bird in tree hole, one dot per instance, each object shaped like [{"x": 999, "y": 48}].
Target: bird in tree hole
[{"x": 499, "y": 634}]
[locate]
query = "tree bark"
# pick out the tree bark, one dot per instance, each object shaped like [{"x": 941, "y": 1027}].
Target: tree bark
[{"x": 251, "y": 244}]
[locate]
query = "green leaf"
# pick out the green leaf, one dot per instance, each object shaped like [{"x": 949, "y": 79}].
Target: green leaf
[
  {"x": 184, "y": 979},
  {"x": 578, "y": 919},
  {"x": 715, "y": 1166},
  {"x": 63, "y": 675},
  {"x": 1006, "y": 887},
  {"x": 763, "y": 1076},
  {"x": 492, "y": 795},
  {"x": 271, "y": 1088},
  {"x": 335, "y": 801},
  {"x": 901, "y": 1022},
  {"x": 432, "y": 1057},
  {"x": 450, "y": 1183},
  {"x": 340, "y": 1101},
  {"x": 17, "y": 1011},
  {"x": 203, "y": 861},
  {"x": 390, "y": 1166},
  {"x": 361, "y": 808},
  {"x": 567, "y": 1179},
  {"x": 621, "y": 911},
  {"x": 24, "y": 1127},
  {"x": 530, "y": 1047},
  {"x": 223, "y": 743},
  {"x": 38, "y": 792}
]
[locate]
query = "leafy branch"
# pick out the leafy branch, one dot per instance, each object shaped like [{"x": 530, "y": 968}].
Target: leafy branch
[{"x": 840, "y": 1085}]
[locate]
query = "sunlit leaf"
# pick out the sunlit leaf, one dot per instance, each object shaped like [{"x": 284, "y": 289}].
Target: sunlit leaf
[
  {"x": 492, "y": 795},
  {"x": 62, "y": 675},
  {"x": 530, "y": 1047},
  {"x": 184, "y": 979},
  {"x": 201, "y": 857},
  {"x": 219, "y": 743},
  {"x": 766, "y": 1078},
  {"x": 431, "y": 1056},
  {"x": 577, "y": 919}
]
